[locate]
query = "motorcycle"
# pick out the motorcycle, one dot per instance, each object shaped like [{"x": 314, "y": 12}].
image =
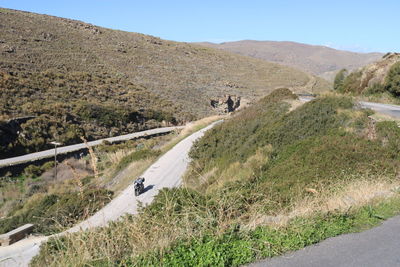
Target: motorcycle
[{"x": 139, "y": 186}]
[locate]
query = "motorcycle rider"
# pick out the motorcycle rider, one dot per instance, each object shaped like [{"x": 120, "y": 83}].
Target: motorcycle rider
[
  {"x": 139, "y": 180},
  {"x": 139, "y": 185}
]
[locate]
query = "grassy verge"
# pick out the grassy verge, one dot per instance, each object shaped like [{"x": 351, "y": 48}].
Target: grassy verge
[
  {"x": 190, "y": 129},
  {"x": 233, "y": 247},
  {"x": 384, "y": 98},
  {"x": 51, "y": 213}
]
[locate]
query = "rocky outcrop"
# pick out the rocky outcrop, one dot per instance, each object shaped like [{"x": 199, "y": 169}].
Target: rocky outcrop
[
  {"x": 9, "y": 131},
  {"x": 375, "y": 73},
  {"x": 226, "y": 104}
]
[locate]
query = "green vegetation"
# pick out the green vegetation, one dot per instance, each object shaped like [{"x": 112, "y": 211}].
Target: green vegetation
[
  {"x": 235, "y": 248},
  {"x": 351, "y": 83},
  {"x": 265, "y": 181},
  {"x": 339, "y": 78},
  {"x": 379, "y": 81},
  {"x": 135, "y": 156},
  {"x": 392, "y": 83},
  {"x": 35, "y": 171},
  {"x": 54, "y": 212},
  {"x": 56, "y": 204},
  {"x": 62, "y": 114}
]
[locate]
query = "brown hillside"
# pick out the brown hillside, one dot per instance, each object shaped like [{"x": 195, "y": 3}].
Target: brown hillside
[
  {"x": 79, "y": 77},
  {"x": 318, "y": 60}
]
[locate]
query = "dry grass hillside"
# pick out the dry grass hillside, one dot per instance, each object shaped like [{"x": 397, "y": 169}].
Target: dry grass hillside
[
  {"x": 78, "y": 78},
  {"x": 318, "y": 60},
  {"x": 179, "y": 72}
]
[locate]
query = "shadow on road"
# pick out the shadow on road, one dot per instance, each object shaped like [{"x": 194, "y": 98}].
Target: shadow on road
[{"x": 147, "y": 188}]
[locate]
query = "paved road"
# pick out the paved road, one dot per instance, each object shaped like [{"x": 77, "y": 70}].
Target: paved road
[
  {"x": 377, "y": 247},
  {"x": 71, "y": 148},
  {"x": 167, "y": 171},
  {"x": 391, "y": 110}
]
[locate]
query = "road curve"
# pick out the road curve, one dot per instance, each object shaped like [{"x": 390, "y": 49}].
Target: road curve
[
  {"x": 379, "y": 246},
  {"x": 391, "y": 110},
  {"x": 66, "y": 149},
  {"x": 167, "y": 171}
]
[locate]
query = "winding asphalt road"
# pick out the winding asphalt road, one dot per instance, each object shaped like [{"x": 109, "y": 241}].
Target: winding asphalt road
[
  {"x": 167, "y": 171},
  {"x": 377, "y": 247},
  {"x": 391, "y": 110},
  {"x": 66, "y": 149}
]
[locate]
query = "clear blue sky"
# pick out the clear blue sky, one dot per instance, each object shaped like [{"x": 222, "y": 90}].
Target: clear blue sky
[{"x": 352, "y": 25}]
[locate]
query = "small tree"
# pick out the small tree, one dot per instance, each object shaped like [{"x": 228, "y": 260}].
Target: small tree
[
  {"x": 392, "y": 83},
  {"x": 339, "y": 79}
]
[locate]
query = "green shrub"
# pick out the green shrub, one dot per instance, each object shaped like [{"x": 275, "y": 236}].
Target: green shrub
[
  {"x": 352, "y": 83},
  {"x": 33, "y": 171},
  {"x": 339, "y": 79},
  {"x": 376, "y": 88},
  {"x": 392, "y": 82},
  {"x": 47, "y": 166},
  {"x": 54, "y": 212}
]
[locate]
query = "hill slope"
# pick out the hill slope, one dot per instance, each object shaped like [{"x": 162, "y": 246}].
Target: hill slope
[
  {"x": 76, "y": 77},
  {"x": 269, "y": 179},
  {"x": 378, "y": 80},
  {"x": 319, "y": 60}
]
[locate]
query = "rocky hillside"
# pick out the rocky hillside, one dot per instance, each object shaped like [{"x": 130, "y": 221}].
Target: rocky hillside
[
  {"x": 381, "y": 77},
  {"x": 318, "y": 60},
  {"x": 79, "y": 79}
]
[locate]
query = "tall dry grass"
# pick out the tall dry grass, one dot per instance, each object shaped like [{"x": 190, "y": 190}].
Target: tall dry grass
[
  {"x": 93, "y": 157},
  {"x": 77, "y": 177},
  {"x": 129, "y": 236},
  {"x": 340, "y": 197},
  {"x": 133, "y": 236},
  {"x": 191, "y": 128},
  {"x": 115, "y": 157}
]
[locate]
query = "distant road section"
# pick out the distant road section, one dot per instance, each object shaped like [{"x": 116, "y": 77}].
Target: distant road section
[
  {"x": 71, "y": 148},
  {"x": 391, "y": 110}
]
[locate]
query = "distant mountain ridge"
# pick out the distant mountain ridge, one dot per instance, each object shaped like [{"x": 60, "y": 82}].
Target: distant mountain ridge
[{"x": 318, "y": 60}]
